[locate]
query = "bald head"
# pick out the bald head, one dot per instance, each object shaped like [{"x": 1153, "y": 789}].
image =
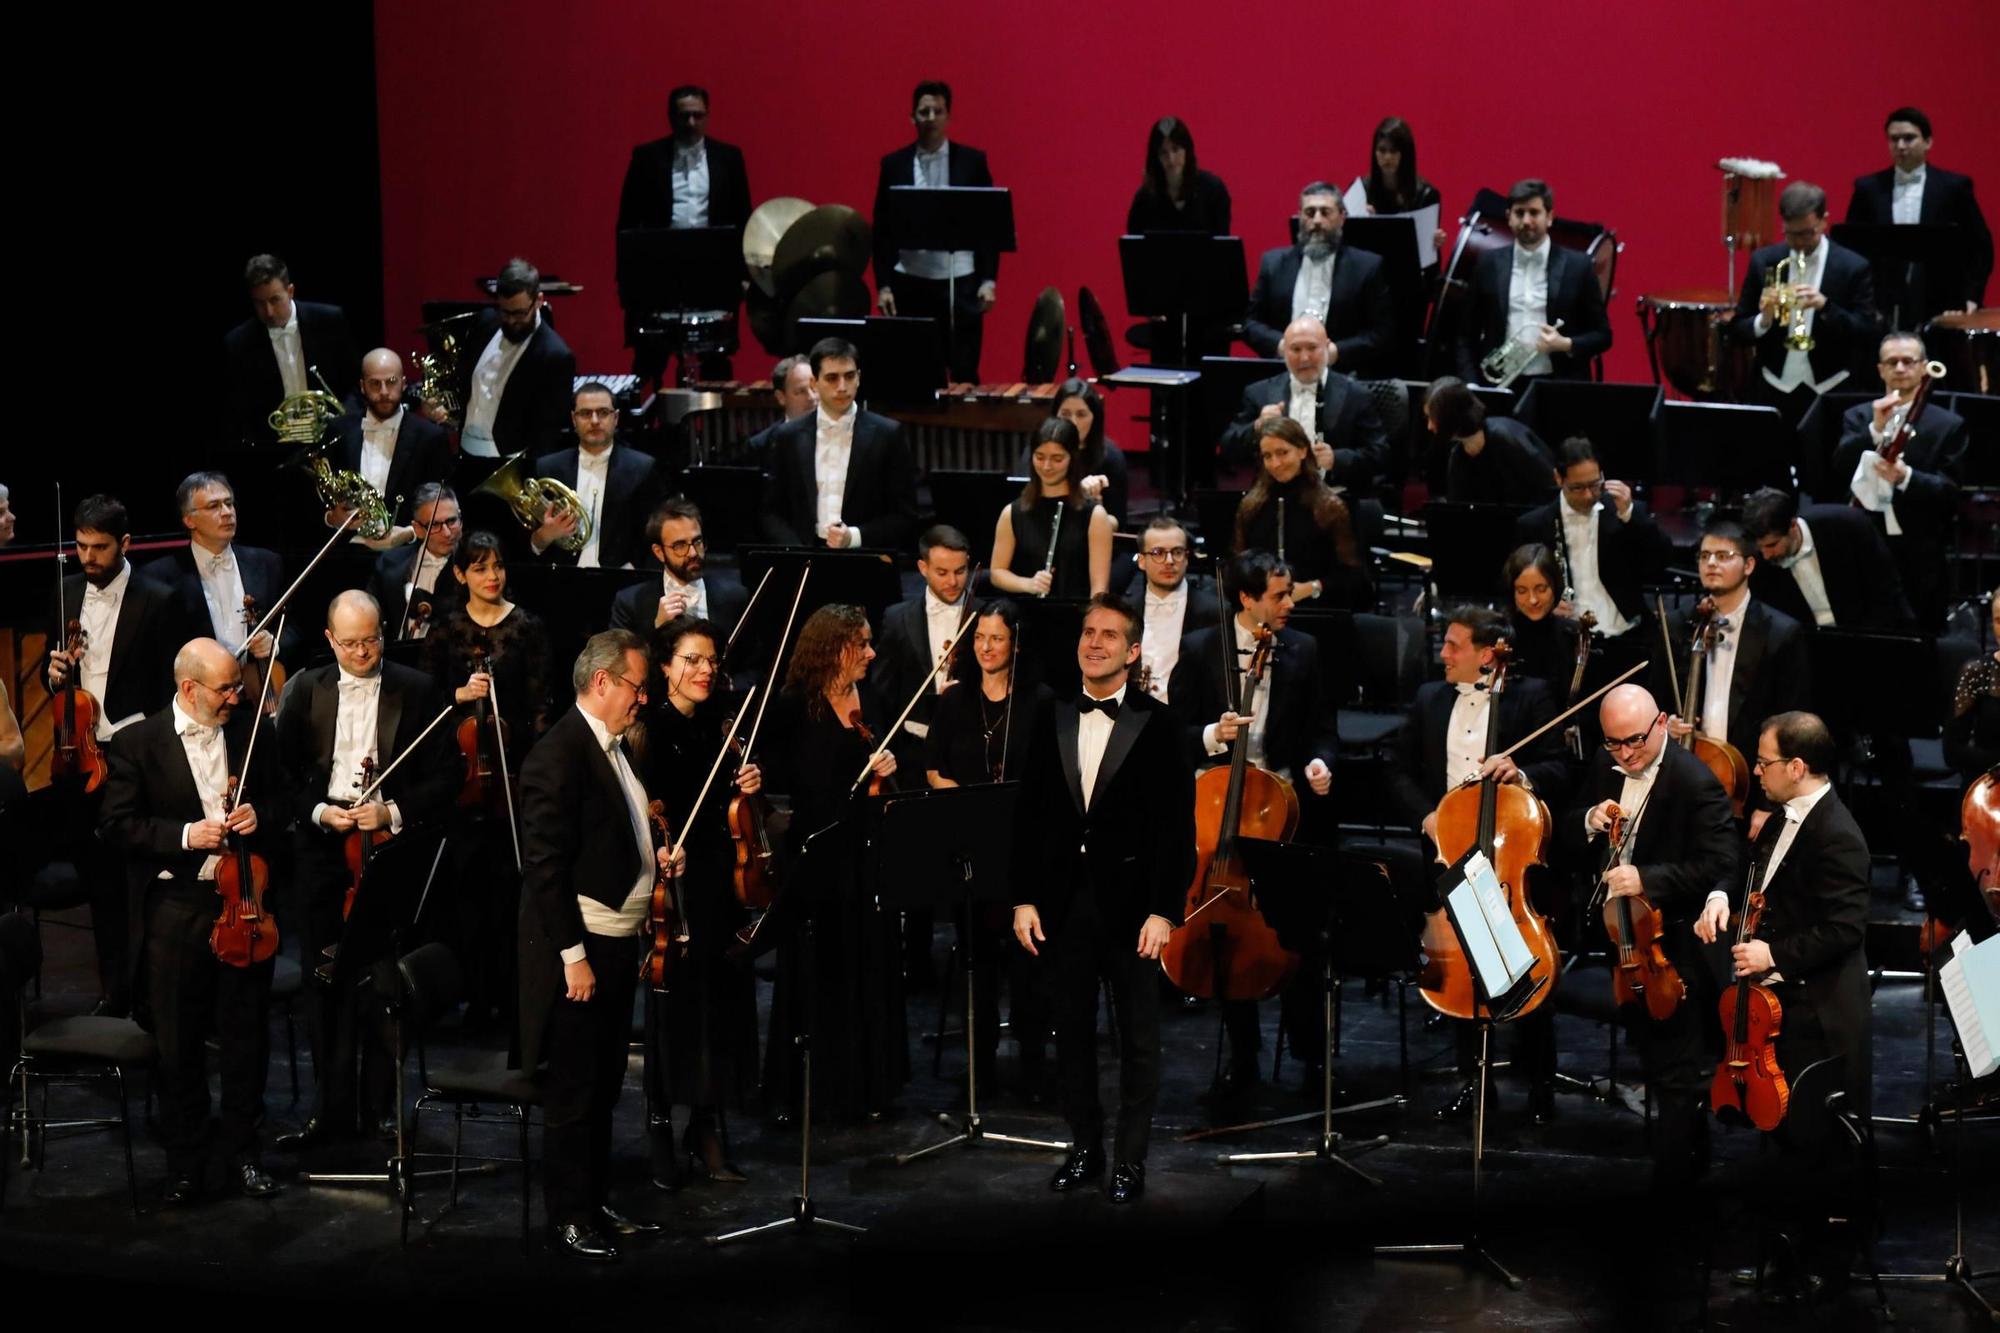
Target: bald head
[
  {"x": 1630, "y": 711},
  {"x": 1305, "y": 348},
  {"x": 204, "y": 671},
  {"x": 354, "y": 629},
  {"x": 382, "y": 383}
]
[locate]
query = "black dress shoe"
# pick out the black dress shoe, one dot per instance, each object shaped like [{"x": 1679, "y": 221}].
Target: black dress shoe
[
  {"x": 254, "y": 1182},
  {"x": 315, "y": 1133},
  {"x": 1913, "y": 895},
  {"x": 1462, "y": 1106},
  {"x": 626, "y": 1226},
  {"x": 181, "y": 1191},
  {"x": 585, "y": 1243},
  {"x": 1128, "y": 1182},
  {"x": 1080, "y": 1167}
]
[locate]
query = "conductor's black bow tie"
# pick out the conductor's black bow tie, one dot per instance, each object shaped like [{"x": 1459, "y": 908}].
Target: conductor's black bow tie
[{"x": 1086, "y": 704}]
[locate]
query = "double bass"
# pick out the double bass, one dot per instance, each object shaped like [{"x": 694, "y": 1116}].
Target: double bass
[
  {"x": 1641, "y": 973},
  {"x": 1510, "y": 826},
  {"x": 1723, "y": 759},
  {"x": 1748, "y": 1082},
  {"x": 1225, "y": 949}
]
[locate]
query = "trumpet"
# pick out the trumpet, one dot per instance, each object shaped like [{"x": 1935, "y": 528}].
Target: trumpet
[
  {"x": 531, "y": 497},
  {"x": 1504, "y": 364},
  {"x": 1790, "y": 312}
]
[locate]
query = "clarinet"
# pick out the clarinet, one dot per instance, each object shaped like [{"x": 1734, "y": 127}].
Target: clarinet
[{"x": 1562, "y": 555}]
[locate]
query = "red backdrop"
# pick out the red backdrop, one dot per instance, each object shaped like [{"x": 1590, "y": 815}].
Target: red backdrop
[{"x": 506, "y": 125}]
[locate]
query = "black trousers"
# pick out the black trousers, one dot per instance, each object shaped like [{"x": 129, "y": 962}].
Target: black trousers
[
  {"x": 935, "y": 299},
  {"x": 1675, "y": 1057},
  {"x": 1085, "y": 951},
  {"x": 995, "y": 955},
  {"x": 190, "y": 993},
  {"x": 346, "y": 1030},
  {"x": 588, "y": 1044},
  {"x": 101, "y": 869}
]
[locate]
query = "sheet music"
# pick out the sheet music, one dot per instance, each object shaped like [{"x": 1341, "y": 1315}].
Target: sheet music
[
  {"x": 1356, "y": 198},
  {"x": 1426, "y": 219},
  {"x": 1971, "y": 982},
  {"x": 1499, "y": 954}
]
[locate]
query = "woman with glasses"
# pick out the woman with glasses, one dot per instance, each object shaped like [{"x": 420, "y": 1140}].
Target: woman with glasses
[
  {"x": 488, "y": 652},
  {"x": 703, "y": 1030},
  {"x": 1054, "y": 541},
  {"x": 1291, "y": 512},
  {"x": 821, "y": 734}
]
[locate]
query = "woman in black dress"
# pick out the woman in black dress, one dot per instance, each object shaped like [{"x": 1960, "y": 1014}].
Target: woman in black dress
[
  {"x": 1025, "y": 535},
  {"x": 980, "y": 733},
  {"x": 1291, "y": 511},
  {"x": 827, "y": 727},
  {"x": 488, "y": 649},
  {"x": 1101, "y": 465},
  {"x": 705, "y": 1024},
  {"x": 1972, "y": 735},
  {"x": 1177, "y": 195},
  {"x": 1544, "y": 626},
  {"x": 1393, "y": 183}
]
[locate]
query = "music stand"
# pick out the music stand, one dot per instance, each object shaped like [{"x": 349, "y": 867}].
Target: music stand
[
  {"x": 969, "y": 500},
  {"x": 1301, "y": 892},
  {"x": 385, "y": 908},
  {"x": 952, "y": 848},
  {"x": 951, "y": 218},
  {"x": 1734, "y": 448},
  {"x": 1842, "y": 656},
  {"x": 904, "y": 361},
  {"x": 1050, "y": 627},
  {"x": 1394, "y": 239},
  {"x": 1914, "y": 265},
  {"x": 1463, "y": 538},
  {"x": 817, "y": 860},
  {"x": 861, "y": 576},
  {"x": 668, "y": 277}
]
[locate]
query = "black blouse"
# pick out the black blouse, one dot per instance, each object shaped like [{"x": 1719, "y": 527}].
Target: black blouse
[
  {"x": 971, "y": 735},
  {"x": 1032, "y": 528},
  {"x": 519, "y": 651},
  {"x": 1204, "y": 209},
  {"x": 1313, "y": 552},
  {"x": 1117, "y": 497},
  {"x": 1972, "y": 735}
]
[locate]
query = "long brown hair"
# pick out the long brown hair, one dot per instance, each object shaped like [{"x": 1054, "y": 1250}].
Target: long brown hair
[
  {"x": 1329, "y": 511},
  {"x": 827, "y": 634},
  {"x": 1056, "y": 430}
]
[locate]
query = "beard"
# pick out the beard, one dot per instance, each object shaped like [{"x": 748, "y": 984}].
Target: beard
[
  {"x": 513, "y": 335},
  {"x": 1316, "y": 248}
]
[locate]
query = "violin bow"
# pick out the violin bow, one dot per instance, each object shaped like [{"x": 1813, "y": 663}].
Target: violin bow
[
  {"x": 263, "y": 697},
  {"x": 922, "y": 685},
  {"x": 408, "y": 750},
  {"x": 770, "y": 680},
  {"x": 279, "y": 605},
  {"x": 713, "y": 769},
  {"x": 1574, "y": 708},
  {"x": 1667, "y": 642},
  {"x": 500, "y": 753},
  {"x": 751, "y": 606}
]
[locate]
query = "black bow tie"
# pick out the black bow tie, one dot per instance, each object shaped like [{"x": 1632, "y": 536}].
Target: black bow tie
[{"x": 1086, "y": 704}]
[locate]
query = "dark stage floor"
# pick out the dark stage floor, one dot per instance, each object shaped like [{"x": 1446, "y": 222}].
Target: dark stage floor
[{"x": 973, "y": 1240}]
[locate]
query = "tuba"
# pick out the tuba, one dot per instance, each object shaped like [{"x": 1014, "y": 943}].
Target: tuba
[
  {"x": 438, "y": 373},
  {"x": 1791, "y": 311},
  {"x": 530, "y": 498}
]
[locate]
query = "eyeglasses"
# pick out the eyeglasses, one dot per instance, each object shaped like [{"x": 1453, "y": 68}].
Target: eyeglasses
[
  {"x": 451, "y": 522},
  {"x": 1760, "y": 763},
  {"x": 689, "y": 544},
  {"x": 1166, "y": 555},
  {"x": 1902, "y": 362},
  {"x": 217, "y": 507},
  {"x": 1718, "y": 557},
  {"x": 1583, "y": 487},
  {"x": 696, "y": 660},
  {"x": 1615, "y": 743},
  {"x": 356, "y": 645},
  {"x": 637, "y": 687},
  {"x": 234, "y": 690},
  {"x": 595, "y": 413}
]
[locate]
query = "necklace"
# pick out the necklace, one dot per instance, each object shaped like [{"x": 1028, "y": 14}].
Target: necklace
[{"x": 990, "y": 722}]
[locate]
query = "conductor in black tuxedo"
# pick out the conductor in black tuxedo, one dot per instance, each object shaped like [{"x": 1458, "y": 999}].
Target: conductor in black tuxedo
[
  {"x": 1291, "y": 728},
  {"x": 1679, "y": 846},
  {"x": 164, "y": 809},
  {"x": 687, "y": 587},
  {"x": 870, "y": 496},
  {"x": 1350, "y": 445},
  {"x": 358, "y": 714},
  {"x": 394, "y": 449},
  {"x": 1522, "y": 291},
  {"x": 213, "y": 575},
  {"x": 412, "y": 584},
  {"x": 590, "y": 860},
  {"x": 1913, "y": 501},
  {"x": 616, "y": 482},
  {"x": 958, "y": 287},
  {"x": 1815, "y": 876},
  {"x": 520, "y": 382},
  {"x": 272, "y": 355},
  {"x": 1343, "y": 288},
  {"x": 1833, "y": 326},
  {"x": 1104, "y": 853},
  {"x": 1911, "y": 190},
  {"x": 1823, "y": 564}
]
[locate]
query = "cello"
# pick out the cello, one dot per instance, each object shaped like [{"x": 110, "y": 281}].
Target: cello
[
  {"x": 1641, "y": 973},
  {"x": 1510, "y": 826},
  {"x": 1748, "y": 1082},
  {"x": 1723, "y": 759},
  {"x": 1979, "y": 826},
  {"x": 1238, "y": 956}
]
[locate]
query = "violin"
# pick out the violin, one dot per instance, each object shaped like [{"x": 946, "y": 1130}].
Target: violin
[
  {"x": 244, "y": 932},
  {"x": 663, "y": 917},
  {"x": 1641, "y": 973},
  {"x": 1238, "y": 956},
  {"x": 754, "y": 878},
  {"x": 1723, "y": 759},
  {"x": 77, "y": 755},
  {"x": 1748, "y": 1083},
  {"x": 1510, "y": 825},
  {"x": 878, "y": 785},
  {"x": 417, "y": 619},
  {"x": 254, "y": 671},
  {"x": 358, "y": 847},
  {"x": 484, "y": 748}
]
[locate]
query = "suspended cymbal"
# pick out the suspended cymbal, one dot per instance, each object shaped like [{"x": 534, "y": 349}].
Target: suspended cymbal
[
  {"x": 1043, "y": 357},
  {"x": 832, "y": 236},
  {"x": 772, "y": 219},
  {"x": 830, "y": 295},
  {"x": 1096, "y": 334}
]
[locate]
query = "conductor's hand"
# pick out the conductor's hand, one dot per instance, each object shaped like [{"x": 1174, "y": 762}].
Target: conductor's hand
[
  {"x": 337, "y": 819},
  {"x": 884, "y": 763},
  {"x": 242, "y": 819},
  {"x": 372, "y": 816},
  {"x": 1622, "y": 882},
  {"x": 1319, "y": 777},
  {"x": 1598, "y": 817},
  {"x": 1751, "y": 958},
  {"x": 1153, "y": 937},
  {"x": 1714, "y": 917},
  {"x": 885, "y": 301},
  {"x": 1028, "y": 928},
  {"x": 1323, "y": 456},
  {"x": 749, "y": 779},
  {"x": 1501, "y": 768},
  {"x": 579, "y": 982},
  {"x": 478, "y": 687},
  {"x": 1228, "y": 726}
]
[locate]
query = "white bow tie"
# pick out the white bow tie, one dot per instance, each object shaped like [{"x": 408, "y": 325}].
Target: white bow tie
[
  {"x": 198, "y": 732},
  {"x": 1472, "y": 690},
  {"x": 1909, "y": 177},
  {"x": 219, "y": 565},
  {"x": 93, "y": 593}
]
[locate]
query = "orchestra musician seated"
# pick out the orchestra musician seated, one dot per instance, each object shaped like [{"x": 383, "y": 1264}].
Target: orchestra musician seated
[
  {"x": 615, "y": 482},
  {"x": 1534, "y": 291},
  {"x": 1101, "y": 466},
  {"x": 1349, "y": 443},
  {"x": 1542, "y": 626},
  {"x": 1823, "y": 564},
  {"x": 1491, "y": 460},
  {"x": 1293, "y": 513},
  {"x": 1172, "y": 601},
  {"x": 1343, "y": 288},
  {"x": 1053, "y": 541},
  {"x": 687, "y": 586},
  {"x": 409, "y": 583}
]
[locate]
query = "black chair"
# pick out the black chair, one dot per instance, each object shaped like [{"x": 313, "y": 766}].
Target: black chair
[
  {"x": 77, "y": 1051},
  {"x": 465, "y": 1085}
]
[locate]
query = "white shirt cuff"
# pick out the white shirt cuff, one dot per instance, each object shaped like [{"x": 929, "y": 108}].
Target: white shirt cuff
[
  {"x": 1763, "y": 324},
  {"x": 1713, "y": 894},
  {"x": 319, "y": 810},
  {"x": 395, "y": 819},
  {"x": 573, "y": 954},
  {"x": 185, "y": 830},
  {"x": 1208, "y": 741},
  {"x": 853, "y": 538}
]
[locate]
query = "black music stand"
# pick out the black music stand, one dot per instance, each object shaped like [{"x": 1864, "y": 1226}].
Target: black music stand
[
  {"x": 816, "y": 865},
  {"x": 969, "y": 500},
  {"x": 951, "y": 218},
  {"x": 863, "y": 576},
  {"x": 952, "y": 848},
  {"x": 1734, "y": 448},
  {"x": 1188, "y": 279},
  {"x": 1842, "y": 656},
  {"x": 904, "y": 360},
  {"x": 1050, "y": 627},
  {"x": 1394, "y": 239},
  {"x": 673, "y": 270},
  {"x": 1463, "y": 538},
  {"x": 1916, "y": 267},
  {"x": 388, "y": 903},
  {"x": 1303, "y": 892}
]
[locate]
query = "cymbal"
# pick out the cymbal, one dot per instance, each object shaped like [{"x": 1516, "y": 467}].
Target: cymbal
[
  {"x": 829, "y": 295},
  {"x": 1043, "y": 357},
  {"x": 1096, "y": 334},
  {"x": 771, "y": 220},
  {"x": 830, "y": 237}
]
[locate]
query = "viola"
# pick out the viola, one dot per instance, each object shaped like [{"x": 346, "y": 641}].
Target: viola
[
  {"x": 1510, "y": 825},
  {"x": 664, "y": 923},
  {"x": 1225, "y": 949},
  {"x": 255, "y": 670},
  {"x": 1573, "y": 733},
  {"x": 482, "y": 740},
  {"x": 1748, "y": 1082},
  {"x": 244, "y": 932},
  {"x": 358, "y": 847},
  {"x": 1641, "y": 973},
  {"x": 754, "y": 878},
  {"x": 1723, "y": 759},
  {"x": 77, "y": 755},
  {"x": 878, "y": 785}
]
